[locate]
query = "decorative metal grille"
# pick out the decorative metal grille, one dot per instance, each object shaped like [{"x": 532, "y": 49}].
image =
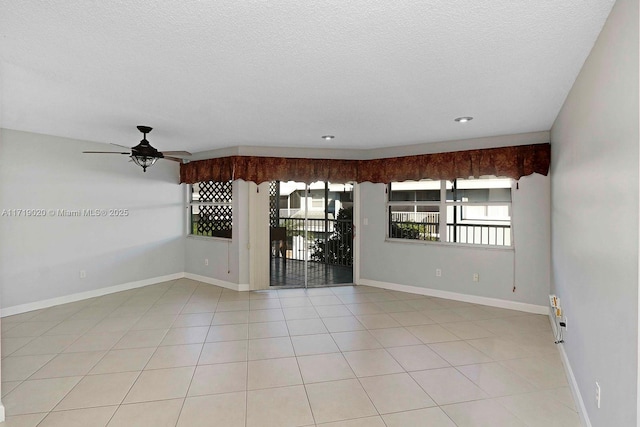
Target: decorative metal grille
[
  {"x": 215, "y": 191},
  {"x": 215, "y": 220},
  {"x": 274, "y": 203}
]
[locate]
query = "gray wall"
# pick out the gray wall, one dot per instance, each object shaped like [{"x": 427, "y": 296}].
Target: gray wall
[
  {"x": 414, "y": 263},
  {"x": 41, "y": 257},
  {"x": 228, "y": 258},
  {"x": 594, "y": 220}
]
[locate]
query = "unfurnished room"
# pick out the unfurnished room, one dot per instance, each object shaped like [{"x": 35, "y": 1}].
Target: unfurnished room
[{"x": 332, "y": 214}]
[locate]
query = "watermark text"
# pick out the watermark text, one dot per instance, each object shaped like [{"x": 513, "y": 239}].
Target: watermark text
[{"x": 62, "y": 213}]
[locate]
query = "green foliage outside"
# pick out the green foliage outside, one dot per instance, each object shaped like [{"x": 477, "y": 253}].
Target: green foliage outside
[
  {"x": 338, "y": 249},
  {"x": 414, "y": 231}
]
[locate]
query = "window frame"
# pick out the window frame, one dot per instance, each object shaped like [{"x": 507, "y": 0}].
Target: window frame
[
  {"x": 415, "y": 204},
  {"x": 191, "y": 203},
  {"x": 443, "y": 204}
]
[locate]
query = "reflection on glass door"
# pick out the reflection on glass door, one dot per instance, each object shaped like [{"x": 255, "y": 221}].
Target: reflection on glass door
[{"x": 311, "y": 234}]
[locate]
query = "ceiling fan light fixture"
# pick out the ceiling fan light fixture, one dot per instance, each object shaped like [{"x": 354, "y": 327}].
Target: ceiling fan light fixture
[
  {"x": 328, "y": 137},
  {"x": 144, "y": 161}
]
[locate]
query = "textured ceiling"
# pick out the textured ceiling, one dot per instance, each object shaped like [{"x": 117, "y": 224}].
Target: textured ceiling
[{"x": 208, "y": 75}]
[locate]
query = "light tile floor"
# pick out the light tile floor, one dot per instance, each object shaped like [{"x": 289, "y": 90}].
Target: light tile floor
[{"x": 189, "y": 354}]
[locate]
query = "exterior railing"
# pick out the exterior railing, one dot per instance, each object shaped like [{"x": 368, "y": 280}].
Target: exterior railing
[
  {"x": 480, "y": 234},
  {"x": 328, "y": 241},
  {"x": 401, "y": 226}
]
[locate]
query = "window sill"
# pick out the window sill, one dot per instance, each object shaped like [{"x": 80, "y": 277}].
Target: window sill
[
  {"x": 209, "y": 238},
  {"x": 449, "y": 245}
]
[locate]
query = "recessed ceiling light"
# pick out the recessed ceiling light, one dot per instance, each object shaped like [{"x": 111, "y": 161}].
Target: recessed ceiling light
[
  {"x": 463, "y": 119},
  {"x": 328, "y": 137}
]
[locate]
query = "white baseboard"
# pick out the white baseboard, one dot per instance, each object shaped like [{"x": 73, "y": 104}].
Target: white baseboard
[
  {"x": 38, "y": 305},
  {"x": 493, "y": 302},
  {"x": 223, "y": 284},
  {"x": 23, "y": 308},
  {"x": 571, "y": 379}
]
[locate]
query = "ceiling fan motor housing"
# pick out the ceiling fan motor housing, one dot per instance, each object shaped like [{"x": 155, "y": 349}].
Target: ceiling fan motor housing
[{"x": 145, "y": 149}]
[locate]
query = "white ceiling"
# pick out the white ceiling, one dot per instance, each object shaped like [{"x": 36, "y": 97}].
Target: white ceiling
[{"x": 208, "y": 74}]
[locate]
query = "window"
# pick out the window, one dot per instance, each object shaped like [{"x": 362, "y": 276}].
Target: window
[
  {"x": 211, "y": 209},
  {"x": 469, "y": 211},
  {"x": 414, "y": 210}
]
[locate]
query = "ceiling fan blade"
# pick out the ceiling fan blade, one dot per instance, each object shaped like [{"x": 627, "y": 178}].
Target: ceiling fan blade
[
  {"x": 123, "y": 146},
  {"x": 173, "y": 159},
  {"x": 104, "y": 152},
  {"x": 177, "y": 153}
]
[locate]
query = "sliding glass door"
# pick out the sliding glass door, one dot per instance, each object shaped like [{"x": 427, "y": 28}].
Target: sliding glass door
[{"x": 311, "y": 234}]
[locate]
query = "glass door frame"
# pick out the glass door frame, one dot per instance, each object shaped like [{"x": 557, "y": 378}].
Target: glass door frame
[{"x": 275, "y": 220}]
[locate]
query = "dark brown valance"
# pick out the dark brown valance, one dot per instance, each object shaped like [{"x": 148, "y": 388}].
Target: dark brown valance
[{"x": 513, "y": 162}]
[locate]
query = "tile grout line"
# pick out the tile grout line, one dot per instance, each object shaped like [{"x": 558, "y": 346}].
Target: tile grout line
[
  {"x": 141, "y": 371},
  {"x": 346, "y": 301},
  {"x": 355, "y": 375},
  {"x": 184, "y": 400},
  {"x": 70, "y": 390}
]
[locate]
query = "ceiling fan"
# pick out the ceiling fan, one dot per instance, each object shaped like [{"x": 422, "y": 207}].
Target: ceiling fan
[{"x": 144, "y": 155}]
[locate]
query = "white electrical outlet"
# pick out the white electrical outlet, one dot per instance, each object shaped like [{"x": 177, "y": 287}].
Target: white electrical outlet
[
  {"x": 438, "y": 272},
  {"x": 206, "y": 261},
  {"x": 476, "y": 277},
  {"x": 83, "y": 274},
  {"x": 598, "y": 394}
]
